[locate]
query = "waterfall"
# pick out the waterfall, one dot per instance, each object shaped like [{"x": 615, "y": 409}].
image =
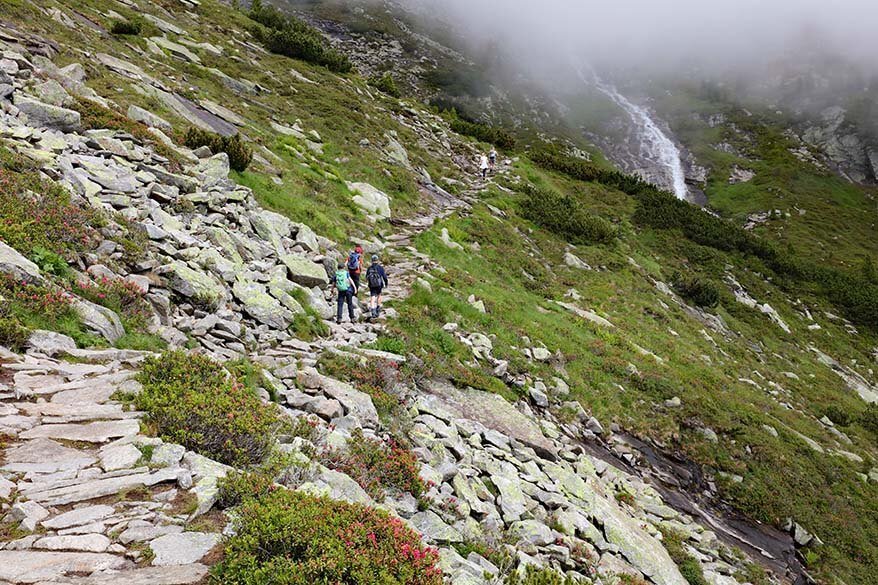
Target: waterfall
[{"x": 656, "y": 147}]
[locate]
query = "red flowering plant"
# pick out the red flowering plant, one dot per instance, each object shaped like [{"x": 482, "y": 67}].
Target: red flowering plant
[
  {"x": 377, "y": 465},
  {"x": 36, "y": 214},
  {"x": 123, "y": 297},
  {"x": 293, "y": 538}
]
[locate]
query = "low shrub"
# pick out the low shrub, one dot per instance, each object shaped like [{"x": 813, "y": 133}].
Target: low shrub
[
  {"x": 121, "y": 296},
  {"x": 292, "y": 37},
  {"x": 565, "y": 217},
  {"x": 37, "y": 217},
  {"x": 13, "y": 335},
  {"x": 240, "y": 155},
  {"x": 377, "y": 465},
  {"x": 838, "y": 415},
  {"x": 49, "y": 262},
  {"x": 126, "y": 27},
  {"x": 26, "y": 297},
  {"x": 689, "y": 566},
  {"x": 869, "y": 419},
  {"x": 385, "y": 83},
  {"x": 292, "y": 538},
  {"x": 189, "y": 399},
  {"x": 700, "y": 291},
  {"x": 484, "y": 133}
]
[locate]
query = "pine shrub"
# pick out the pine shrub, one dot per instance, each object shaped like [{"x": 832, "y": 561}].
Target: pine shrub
[
  {"x": 240, "y": 155},
  {"x": 292, "y": 538},
  {"x": 126, "y": 27},
  {"x": 562, "y": 215},
  {"x": 385, "y": 83},
  {"x": 189, "y": 399},
  {"x": 700, "y": 291}
]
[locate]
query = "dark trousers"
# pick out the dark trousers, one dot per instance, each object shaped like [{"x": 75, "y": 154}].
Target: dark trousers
[
  {"x": 345, "y": 296},
  {"x": 355, "y": 276}
]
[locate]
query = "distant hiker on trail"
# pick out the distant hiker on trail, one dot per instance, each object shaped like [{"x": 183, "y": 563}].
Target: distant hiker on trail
[
  {"x": 492, "y": 158},
  {"x": 376, "y": 278},
  {"x": 346, "y": 288},
  {"x": 355, "y": 265},
  {"x": 483, "y": 166}
]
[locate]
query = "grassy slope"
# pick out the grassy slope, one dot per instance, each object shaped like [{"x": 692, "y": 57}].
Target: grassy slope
[{"x": 782, "y": 477}]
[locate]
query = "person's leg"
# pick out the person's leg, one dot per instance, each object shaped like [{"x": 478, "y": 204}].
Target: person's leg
[
  {"x": 378, "y": 303},
  {"x": 351, "y": 305},
  {"x": 342, "y": 295}
]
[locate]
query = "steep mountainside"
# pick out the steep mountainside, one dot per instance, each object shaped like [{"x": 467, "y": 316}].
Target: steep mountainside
[{"x": 575, "y": 378}]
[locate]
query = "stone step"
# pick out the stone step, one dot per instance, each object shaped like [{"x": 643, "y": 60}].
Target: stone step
[{"x": 94, "y": 432}]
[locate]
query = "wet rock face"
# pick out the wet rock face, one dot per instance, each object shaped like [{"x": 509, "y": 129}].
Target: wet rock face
[{"x": 854, "y": 157}]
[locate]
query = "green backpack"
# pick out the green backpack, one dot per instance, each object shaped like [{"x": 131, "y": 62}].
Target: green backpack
[{"x": 342, "y": 282}]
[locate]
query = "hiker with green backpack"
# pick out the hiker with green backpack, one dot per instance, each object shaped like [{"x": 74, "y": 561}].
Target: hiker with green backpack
[{"x": 346, "y": 288}]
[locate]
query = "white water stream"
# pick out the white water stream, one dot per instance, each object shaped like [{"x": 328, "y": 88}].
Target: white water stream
[{"x": 656, "y": 147}]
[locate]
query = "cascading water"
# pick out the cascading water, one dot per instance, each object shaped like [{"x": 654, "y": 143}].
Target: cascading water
[{"x": 656, "y": 147}]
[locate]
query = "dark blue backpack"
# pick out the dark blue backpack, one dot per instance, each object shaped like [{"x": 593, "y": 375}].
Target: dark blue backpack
[{"x": 354, "y": 262}]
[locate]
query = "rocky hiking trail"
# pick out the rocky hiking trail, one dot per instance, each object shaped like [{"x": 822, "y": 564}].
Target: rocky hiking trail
[
  {"x": 88, "y": 508},
  {"x": 88, "y": 498}
]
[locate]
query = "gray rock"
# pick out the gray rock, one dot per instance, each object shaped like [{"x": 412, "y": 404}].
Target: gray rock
[
  {"x": 16, "y": 265},
  {"x": 167, "y": 454},
  {"x": 138, "y": 114},
  {"x": 94, "y": 543},
  {"x": 305, "y": 272},
  {"x": 195, "y": 285},
  {"x": 170, "y": 575},
  {"x": 260, "y": 305},
  {"x": 78, "y": 517},
  {"x": 434, "y": 529},
  {"x": 337, "y": 486},
  {"x": 356, "y": 403},
  {"x": 532, "y": 532},
  {"x": 52, "y": 93},
  {"x": 119, "y": 457},
  {"x": 182, "y": 549},
  {"x": 374, "y": 202},
  {"x": 94, "y": 432},
  {"x": 40, "y": 566},
  {"x": 49, "y": 343},
  {"x": 99, "y": 319},
  {"x": 47, "y": 115}
]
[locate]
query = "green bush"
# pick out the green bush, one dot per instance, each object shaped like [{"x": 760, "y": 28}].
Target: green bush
[
  {"x": 377, "y": 465},
  {"x": 385, "y": 83},
  {"x": 13, "y": 335},
  {"x": 292, "y": 538},
  {"x": 292, "y": 37},
  {"x": 38, "y": 218},
  {"x": 484, "y": 133},
  {"x": 49, "y": 262},
  {"x": 121, "y": 296},
  {"x": 565, "y": 217},
  {"x": 189, "y": 399},
  {"x": 689, "y": 567},
  {"x": 240, "y": 155},
  {"x": 838, "y": 415},
  {"x": 700, "y": 291},
  {"x": 126, "y": 27},
  {"x": 869, "y": 419}
]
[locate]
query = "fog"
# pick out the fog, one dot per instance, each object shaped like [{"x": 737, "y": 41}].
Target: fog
[{"x": 718, "y": 36}]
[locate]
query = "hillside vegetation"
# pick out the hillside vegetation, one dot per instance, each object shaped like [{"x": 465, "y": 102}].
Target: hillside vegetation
[{"x": 577, "y": 304}]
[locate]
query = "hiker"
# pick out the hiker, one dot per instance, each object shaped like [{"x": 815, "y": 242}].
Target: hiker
[
  {"x": 355, "y": 265},
  {"x": 483, "y": 166},
  {"x": 492, "y": 159},
  {"x": 376, "y": 278},
  {"x": 346, "y": 288}
]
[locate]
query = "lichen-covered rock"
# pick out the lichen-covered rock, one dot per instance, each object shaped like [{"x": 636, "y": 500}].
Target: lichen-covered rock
[
  {"x": 46, "y": 115},
  {"x": 195, "y": 285},
  {"x": 305, "y": 272},
  {"x": 374, "y": 202}
]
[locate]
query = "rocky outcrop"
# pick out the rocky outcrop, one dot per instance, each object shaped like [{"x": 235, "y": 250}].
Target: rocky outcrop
[{"x": 853, "y": 156}]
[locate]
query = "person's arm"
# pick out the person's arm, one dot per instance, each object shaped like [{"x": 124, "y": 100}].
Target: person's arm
[
  {"x": 353, "y": 284},
  {"x": 384, "y": 276}
]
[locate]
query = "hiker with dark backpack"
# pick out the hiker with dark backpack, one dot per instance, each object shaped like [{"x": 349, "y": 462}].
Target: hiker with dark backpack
[
  {"x": 355, "y": 265},
  {"x": 346, "y": 288},
  {"x": 376, "y": 278}
]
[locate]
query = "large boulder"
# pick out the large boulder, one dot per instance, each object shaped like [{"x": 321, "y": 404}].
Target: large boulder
[
  {"x": 46, "y": 115},
  {"x": 374, "y": 202},
  {"x": 138, "y": 114},
  {"x": 101, "y": 320},
  {"x": 16, "y": 265},
  {"x": 195, "y": 285},
  {"x": 260, "y": 305},
  {"x": 305, "y": 272}
]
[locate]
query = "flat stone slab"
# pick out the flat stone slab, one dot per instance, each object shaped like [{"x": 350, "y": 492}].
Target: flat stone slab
[
  {"x": 119, "y": 457},
  {"x": 96, "y": 543},
  {"x": 492, "y": 411},
  {"x": 36, "y": 566},
  {"x": 171, "y": 575},
  {"x": 99, "y": 488},
  {"x": 78, "y": 517},
  {"x": 182, "y": 549},
  {"x": 96, "y": 432},
  {"x": 45, "y": 456}
]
